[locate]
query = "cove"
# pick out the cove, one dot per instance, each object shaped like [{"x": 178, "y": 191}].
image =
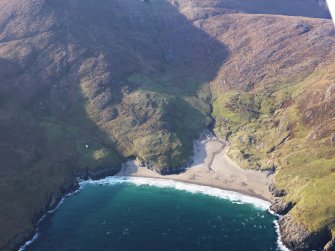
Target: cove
[{"x": 143, "y": 214}]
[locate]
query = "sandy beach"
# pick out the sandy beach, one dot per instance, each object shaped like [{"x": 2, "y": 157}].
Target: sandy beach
[{"x": 212, "y": 167}]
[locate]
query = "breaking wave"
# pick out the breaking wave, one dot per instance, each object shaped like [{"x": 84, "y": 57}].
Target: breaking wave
[{"x": 235, "y": 197}]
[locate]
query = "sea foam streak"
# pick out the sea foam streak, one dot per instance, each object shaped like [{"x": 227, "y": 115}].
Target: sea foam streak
[
  {"x": 280, "y": 244},
  {"x": 234, "y": 197},
  {"x": 188, "y": 187},
  {"x": 24, "y": 246}
]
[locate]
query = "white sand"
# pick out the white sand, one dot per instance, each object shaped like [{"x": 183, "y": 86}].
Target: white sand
[{"x": 212, "y": 167}]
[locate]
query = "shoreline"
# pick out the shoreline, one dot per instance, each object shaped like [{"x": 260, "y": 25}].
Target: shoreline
[
  {"x": 233, "y": 196},
  {"x": 35, "y": 235},
  {"x": 230, "y": 196},
  {"x": 242, "y": 192},
  {"x": 212, "y": 167}
]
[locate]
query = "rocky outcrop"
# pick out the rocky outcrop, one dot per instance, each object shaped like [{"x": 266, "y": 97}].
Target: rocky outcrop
[
  {"x": 69, "y": 186},
  {"x": 330, "y": 246},
  {"x": 98, "y": 82},
  {"x": 294, "y": 235},
  {"x": 281, "y": 207},
  {"x": 100, "y": 173},
  {"x": 276, "y": 192},
  {"x": 51, "y": 203},
  {"x": 298, "y": 237}
]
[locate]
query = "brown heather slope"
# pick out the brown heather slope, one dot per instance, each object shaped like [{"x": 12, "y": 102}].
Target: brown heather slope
[
  {"x": 274, "y": 99},
  {"x": 85, "y": 84}
]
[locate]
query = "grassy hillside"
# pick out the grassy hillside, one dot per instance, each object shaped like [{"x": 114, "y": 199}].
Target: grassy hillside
[
  {"x": 86, "y": 84},
  {"x": 276, "y": 106},
  {"x": 295, "y": 138},
  {"x": 83, "y": 89}
]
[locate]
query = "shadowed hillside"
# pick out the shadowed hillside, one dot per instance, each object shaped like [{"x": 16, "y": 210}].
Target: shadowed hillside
[
  {"x": 306, "y": 8},
  {"x": 86, "y": 84},
  {"x": 273, "y": 99}
]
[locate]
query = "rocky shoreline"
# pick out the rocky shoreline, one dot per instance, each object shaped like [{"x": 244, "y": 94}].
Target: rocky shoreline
[
  {"x": 67, "y": 188},
  {"x": 294, "y": 235}
]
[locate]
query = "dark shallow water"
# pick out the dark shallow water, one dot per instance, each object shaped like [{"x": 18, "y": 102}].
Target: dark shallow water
[{"x": 128, "y": 217}]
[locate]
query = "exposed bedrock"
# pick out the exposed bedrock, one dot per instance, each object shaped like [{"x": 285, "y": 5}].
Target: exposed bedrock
[
  {"x": 298, "y": 237},
  {"x": 330, "y": 246},
  {"x": 281, "y": 207}
]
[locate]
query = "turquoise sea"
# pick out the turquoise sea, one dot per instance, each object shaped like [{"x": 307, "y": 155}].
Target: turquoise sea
[{"x": 139, "y": 214}]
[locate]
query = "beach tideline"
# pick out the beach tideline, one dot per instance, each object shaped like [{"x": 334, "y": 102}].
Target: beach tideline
[
  {"x": 147, "y": 214},
  {"x": 212, "y": 167}
]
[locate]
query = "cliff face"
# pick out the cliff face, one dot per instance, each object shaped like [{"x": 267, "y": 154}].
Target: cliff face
[
  {"x": 84, "y": 85},
  {"x": 297, "y": 236}
]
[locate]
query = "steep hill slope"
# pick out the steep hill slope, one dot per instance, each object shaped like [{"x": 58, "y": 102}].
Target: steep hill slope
[
  {"x": 277, "y": 109},
  {"x": 306, "y": 8},
  {"x": 83, "y": 89},
  {"x": 274, "y": 99},
  {"x": 84, "y": 85}
]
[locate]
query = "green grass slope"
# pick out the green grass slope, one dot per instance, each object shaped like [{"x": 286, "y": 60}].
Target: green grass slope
[
  {"x": 295, "y": 137},
  {"x": 276, "y": 106},
  {"x": 86, "y": 84}
]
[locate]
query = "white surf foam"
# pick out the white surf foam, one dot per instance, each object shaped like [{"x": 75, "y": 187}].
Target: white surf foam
[
  {"x": 25, "y": 245},
  {"x": 36, "y": 236},
  {"x": 235, "y": 197},
  {"x": 60, "y": 203},
  {"x": 280, "y": 244},
  {"x": 55, "y": 209}
]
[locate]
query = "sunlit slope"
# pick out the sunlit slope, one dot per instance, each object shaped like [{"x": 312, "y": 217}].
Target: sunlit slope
[
  {"x": 274, "y": 99},
  {"x": 85, "y": 84}
]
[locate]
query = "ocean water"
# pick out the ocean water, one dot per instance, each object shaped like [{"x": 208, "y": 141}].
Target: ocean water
[{"x": 140, "y": 214}]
